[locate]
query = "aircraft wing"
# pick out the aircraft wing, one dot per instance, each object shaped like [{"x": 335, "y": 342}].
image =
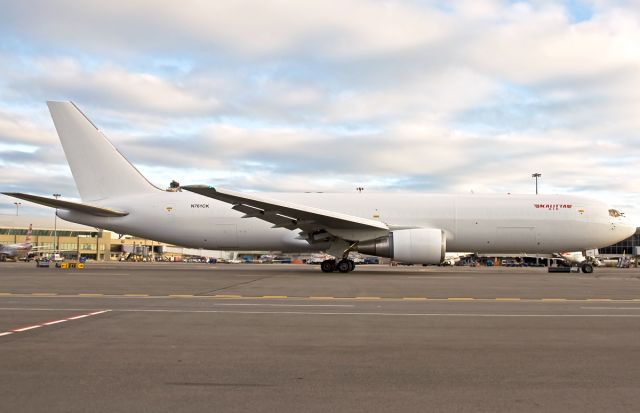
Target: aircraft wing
[
  {"x": 312, "y": 221},
  {"x": 68, "y": 205}
]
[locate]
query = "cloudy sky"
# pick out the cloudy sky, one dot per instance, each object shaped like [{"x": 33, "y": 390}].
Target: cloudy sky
[{"x": 325, "y": 95}]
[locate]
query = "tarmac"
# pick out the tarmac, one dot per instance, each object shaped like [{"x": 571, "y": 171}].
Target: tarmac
[{"x": 176, "y": 337}]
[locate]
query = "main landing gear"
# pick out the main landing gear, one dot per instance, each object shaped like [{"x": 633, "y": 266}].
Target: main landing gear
[{"x": 343, "y": 266}]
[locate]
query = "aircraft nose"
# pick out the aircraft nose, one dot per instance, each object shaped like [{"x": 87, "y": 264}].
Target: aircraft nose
[
  {"x": 622, "y": 225},
  {"x": 628, "y": 230}
]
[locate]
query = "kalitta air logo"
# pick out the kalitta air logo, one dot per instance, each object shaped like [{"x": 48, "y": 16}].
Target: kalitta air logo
[
  {"x": 553, "y": 207},
  {"x": 199, "y": 205}
]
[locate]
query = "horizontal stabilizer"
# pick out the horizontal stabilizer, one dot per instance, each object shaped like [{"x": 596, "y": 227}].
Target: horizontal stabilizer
[{"x": 71, "y": 206}]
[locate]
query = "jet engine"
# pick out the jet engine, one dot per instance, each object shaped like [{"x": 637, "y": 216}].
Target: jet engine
[{"x": 415, "y": 246}]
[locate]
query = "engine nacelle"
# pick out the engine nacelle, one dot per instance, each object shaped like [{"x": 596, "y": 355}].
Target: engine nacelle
[{"x": 415, "y": 246}]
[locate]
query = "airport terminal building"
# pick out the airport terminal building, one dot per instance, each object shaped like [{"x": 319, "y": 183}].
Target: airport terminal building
[
  {"x": 76, "y": 240},
  {"x": 627, "y": 247},
  {"x": 73, "y": 240}
]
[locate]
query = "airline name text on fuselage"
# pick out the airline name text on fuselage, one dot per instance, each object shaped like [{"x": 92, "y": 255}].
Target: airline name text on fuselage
[{"x": 553, "y": 207}]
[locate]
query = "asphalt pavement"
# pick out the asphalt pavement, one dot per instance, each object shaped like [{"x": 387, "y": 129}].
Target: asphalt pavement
[{"x": 262, "y": 338}]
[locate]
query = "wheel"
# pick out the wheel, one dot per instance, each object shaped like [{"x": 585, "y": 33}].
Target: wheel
[
  {"x": 328, "y": 265},
  {"x": 352, "y": 264},
  {"x": 344, "y": 266},
  {"x": 587, "y": 268}
]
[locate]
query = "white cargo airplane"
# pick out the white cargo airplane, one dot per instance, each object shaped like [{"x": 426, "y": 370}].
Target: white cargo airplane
[{"x": 411, "y": 228}]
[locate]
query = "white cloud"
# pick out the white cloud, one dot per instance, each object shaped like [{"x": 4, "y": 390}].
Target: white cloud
[
  {"x": 248, "y": 26},
  {"x": 446, "y": 96},
  {"x": 66, "y": 78},
  {"x": 17, "y": 129}
]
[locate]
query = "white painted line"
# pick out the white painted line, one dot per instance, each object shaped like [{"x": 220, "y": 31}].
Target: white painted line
[
  {"x": 43, "y": 309},
  {"x": 610, "y": 308},
  {"x": 49, "y": 323},
  {"x": 55, "y": 322},
  {"x": 18, "y": 330},
  {"x": 78, "y": 317},
  {"x": 488, "y": 315}
]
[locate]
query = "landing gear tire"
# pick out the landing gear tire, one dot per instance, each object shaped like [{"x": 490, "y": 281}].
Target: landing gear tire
[
  {"x": 328, "y": 265},
  {"x": 345, "y": 265},
  {"x": 353, "y": 265},
  {"x": 587, "y": 268}
]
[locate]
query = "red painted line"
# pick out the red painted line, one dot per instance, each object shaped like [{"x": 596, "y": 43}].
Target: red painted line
[{"x": 48, "y": 323}]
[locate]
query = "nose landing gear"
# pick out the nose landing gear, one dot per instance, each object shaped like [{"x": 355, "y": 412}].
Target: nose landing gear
[{"x": 587, "y": 268}]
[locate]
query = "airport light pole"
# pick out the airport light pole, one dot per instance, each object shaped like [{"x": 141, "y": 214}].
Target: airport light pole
[
  {"x": 17, "y": 206},
  {"x": 55, "y": 226},
  {"x": 536, "y": 176}
]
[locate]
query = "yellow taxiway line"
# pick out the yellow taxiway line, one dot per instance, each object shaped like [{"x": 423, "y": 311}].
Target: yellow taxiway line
[{"x": 315, "y": 298}]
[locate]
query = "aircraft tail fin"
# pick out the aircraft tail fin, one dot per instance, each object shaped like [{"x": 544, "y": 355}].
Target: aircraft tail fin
[
  {"x": 99, "y": 170},
  {"x": 29, "y": 232}
]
